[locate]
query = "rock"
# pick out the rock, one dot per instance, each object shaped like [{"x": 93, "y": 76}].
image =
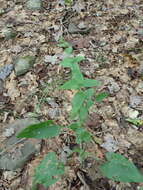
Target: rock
[
  {"x": 82, "y": 25},
  {"x": 110, "y": 144},
  {"x": 34, "y": 4},
  {"x": 52, "y": 103},
  {"x": 5, "y": 71},
  {"x": 133, "y": 114},
  {"x": 9, "y": 33},
  {"x": 16, "y": 152},
  {"x": 8, "y": 132},
  {"x": 9, "y": 175},
  {"x": 53, "y": 112},
  {"x": 73, "y": 29},
  {"x": 23, "y": 64},
  {"x": 51, "y": 59},
  {"x": 135, "y": 101},
  {"x": 113, "y": 87},
  {"x": 129, "y": 112}
]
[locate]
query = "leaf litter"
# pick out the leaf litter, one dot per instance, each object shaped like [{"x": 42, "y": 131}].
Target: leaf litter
[{"x": 109, "y": 35}]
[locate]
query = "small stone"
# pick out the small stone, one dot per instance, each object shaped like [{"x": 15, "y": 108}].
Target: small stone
[
  {"x": 110, "y": 144},
  {"x": 9, "y": 175},
  {"x": 133, "y": 114},
  {"x": 82, "y": 25},
  {"x": 135, "y": 101},
  {"x": 53, "y": 112},
  {"x": 52, "y": 103},
  {"x": 129, "y": 112},
  {"x": 8, "y": 132},
  {"x": 9, "y": 33},
  {"x": 113, "y": 87},
  {"x": 34, "y": 4},
  {"x": 16, "y": 152},
  {"x": 73, "y": 29},
  {"x": 16, "y": 49},
  {"x": 5, "y": 71},
  {"x": 51, "y": 59},
  {"x": 23, "y": 64}
]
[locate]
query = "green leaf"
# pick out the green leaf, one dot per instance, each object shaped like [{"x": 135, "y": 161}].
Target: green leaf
[
  {"x": 69, "y": 61},
  {"x": 77, "y": 102},
  {"x": 76, "y": 74},
  {"x": 137, "y": 122},
  {"x": 68, "y": 50},
  {"x": 101, "y": 96},
  {"x": 48, "y": 171},
  {"x": 89, "y": 93},
  {"x": 74, "y": 126},
  {"x": 83, "y": 113},
  {"x": 118, "y": 168},
  {"x": 91, "y": 83},
  {"x": 40, "y": 131},
  {"x": 81, "y": 134},
  {"x": 70, "y": 85},
  {"x": 63, "y": 43},
  {"x": 68, "y": 2},
  {"x": 82, "y": 154}
]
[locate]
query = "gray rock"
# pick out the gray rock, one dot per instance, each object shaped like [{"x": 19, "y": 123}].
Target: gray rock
[
  {"x": 23, "y": 64},
  {"x": 110, "y": 144},
  {"x": 34, "y": 4},
  {"x": 53, "y": 112},
  {"x": 5, "y": 71},
  {"x": 9, "y": 33},
  {"x": 73, "y": 29},
  {"x": 16, "y": 152},
  {"x": 135, "y": 101},
  {"x": 113, "y": 87}
]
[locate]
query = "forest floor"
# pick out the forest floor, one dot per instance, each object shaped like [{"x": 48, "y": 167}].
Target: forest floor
[{"x": 109, "y": 34}]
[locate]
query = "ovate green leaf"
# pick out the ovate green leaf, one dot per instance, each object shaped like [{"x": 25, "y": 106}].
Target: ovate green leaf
[
  {"x": 77, "y": 102},
  {"x": 40, "y": 131},
  {"x": 48, "y": 171},
  {"x": 70, "y": 85},
  {"x": 91, "y": 83},
  {"x": 118, "y": 168},
  {"x": 76, "y": 74},
  {"x": 69, "y": 61}
]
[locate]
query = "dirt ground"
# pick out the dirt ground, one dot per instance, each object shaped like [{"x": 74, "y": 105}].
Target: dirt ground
[{"x": 109, "y": 33}]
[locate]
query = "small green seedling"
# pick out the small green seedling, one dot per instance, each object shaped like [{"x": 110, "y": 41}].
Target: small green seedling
[{"x": 50, "y": 169}]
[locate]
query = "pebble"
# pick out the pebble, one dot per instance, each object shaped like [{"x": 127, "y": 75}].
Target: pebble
[
  {"x": 113, "y": 87},
  {"x": 135, "y": 101},
  {"x": 23, "y": 64},
  {"x": 5, "y": 71},
  {"x": 34, "y": 4},
  {"x": 15, "y": 151}
]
